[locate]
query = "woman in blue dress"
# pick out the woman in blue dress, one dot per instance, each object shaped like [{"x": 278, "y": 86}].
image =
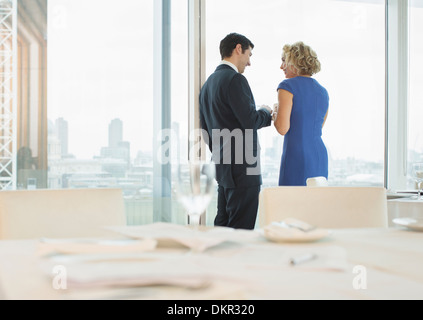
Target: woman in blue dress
[{"x": 300, "y": 116}]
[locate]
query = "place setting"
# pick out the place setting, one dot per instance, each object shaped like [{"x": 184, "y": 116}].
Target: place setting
[
  {"x": 294, "y": 230},
  {"x": 413, "y": 224}
]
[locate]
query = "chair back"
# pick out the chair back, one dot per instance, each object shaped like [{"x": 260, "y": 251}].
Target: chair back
[
  {"x": 60, "y": 213},
  {"x": 325, "y": 207}
]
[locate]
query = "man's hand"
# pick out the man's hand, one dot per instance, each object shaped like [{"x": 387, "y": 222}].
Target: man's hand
[{"x": 267, "y": 108}]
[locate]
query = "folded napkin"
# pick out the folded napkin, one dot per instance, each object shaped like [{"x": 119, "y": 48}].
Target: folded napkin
[
  {"x": 293, "y": 230},
  {"x": 199, "y": 239},
  {"x": 190, "y": 271},
  {"x": 89, "y": 246}
]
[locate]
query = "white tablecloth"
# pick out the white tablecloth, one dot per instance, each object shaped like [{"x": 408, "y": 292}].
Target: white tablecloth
[{"x": 351, "y": 264}]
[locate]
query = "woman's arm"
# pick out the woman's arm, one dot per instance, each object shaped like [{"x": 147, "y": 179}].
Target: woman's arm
[{"x": 283, "y": 118}]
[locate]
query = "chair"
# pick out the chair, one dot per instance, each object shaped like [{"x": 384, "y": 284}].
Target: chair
[
  {"x": 325, "y": 207},
  {"x": 60, "y": 213}
]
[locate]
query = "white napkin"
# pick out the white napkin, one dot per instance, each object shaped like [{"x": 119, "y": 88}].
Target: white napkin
[
  {"x": 293, "y": 230},
  {"x": 196, "y": 239},
  {"x": 135, "y": 274},
  {"x": 191, "y": 271},
  {"x": 89, "y": 246}
]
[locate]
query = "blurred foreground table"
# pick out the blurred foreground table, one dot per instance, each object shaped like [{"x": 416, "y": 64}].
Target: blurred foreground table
[{"x": 351, "y": 264}]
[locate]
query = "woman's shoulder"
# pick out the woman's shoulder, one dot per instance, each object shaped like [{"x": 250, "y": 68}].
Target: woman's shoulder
[
  {"x": 320, "y": 86},
  {"x": 287, "y": 83},
  {"x": 295, "y": 81}
]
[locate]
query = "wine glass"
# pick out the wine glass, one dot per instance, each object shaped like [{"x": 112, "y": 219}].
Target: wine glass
[
  {"x": 417, "y": 170},
  {"x": 195, "y": 187}
]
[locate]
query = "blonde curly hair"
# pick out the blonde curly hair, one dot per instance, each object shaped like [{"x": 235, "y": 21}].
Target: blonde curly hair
[{"x": 302, "y": 58}]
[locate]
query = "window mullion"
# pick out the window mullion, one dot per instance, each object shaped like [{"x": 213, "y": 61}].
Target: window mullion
[{"x": 397, "y": 94}]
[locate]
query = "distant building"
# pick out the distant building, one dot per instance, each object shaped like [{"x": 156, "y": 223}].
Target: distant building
[
  {"x": 117, "y": 148},
  {"x": 115, "y": 133}
]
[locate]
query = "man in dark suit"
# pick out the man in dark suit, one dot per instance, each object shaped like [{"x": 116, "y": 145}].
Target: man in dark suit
[{"x": 229, "y": 120}]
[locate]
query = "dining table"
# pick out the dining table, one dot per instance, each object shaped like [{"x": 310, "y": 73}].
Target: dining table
[{"x": 169, "y": 262}]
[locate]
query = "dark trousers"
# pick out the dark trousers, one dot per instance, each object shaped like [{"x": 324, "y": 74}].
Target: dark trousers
[{"x": 237, "y": 207}]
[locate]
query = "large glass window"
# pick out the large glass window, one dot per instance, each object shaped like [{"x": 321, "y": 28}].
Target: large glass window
[
  {"x": 348, "y": 37},
  {"x": 101, "y": 95},
  {"x": 101, "y": 103}
]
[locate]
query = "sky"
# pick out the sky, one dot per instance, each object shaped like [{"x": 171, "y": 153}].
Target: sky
[{"x": 100, "y": 66}]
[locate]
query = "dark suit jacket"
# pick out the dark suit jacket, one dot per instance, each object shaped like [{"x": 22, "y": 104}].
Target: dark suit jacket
[{"x": 227, "y": 108}]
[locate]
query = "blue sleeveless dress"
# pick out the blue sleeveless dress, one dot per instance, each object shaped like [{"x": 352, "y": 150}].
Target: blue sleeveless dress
[{"x": 304, "y": 153}]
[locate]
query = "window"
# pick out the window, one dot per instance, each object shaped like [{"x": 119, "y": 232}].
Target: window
[
  {"x": 102, "y": 100},
  {"x": 353, "y": 71},
  {"x": 89, "y": 107}
]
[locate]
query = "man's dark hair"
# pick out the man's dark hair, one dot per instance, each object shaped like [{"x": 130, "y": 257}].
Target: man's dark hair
[{"x": 230, "y": 42}]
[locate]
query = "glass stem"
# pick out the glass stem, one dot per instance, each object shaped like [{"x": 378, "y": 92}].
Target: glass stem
[{"x": 194, "y": 220}]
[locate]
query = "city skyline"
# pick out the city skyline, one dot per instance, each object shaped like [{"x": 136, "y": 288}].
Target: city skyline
[{"x": 342, "y": 171}]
